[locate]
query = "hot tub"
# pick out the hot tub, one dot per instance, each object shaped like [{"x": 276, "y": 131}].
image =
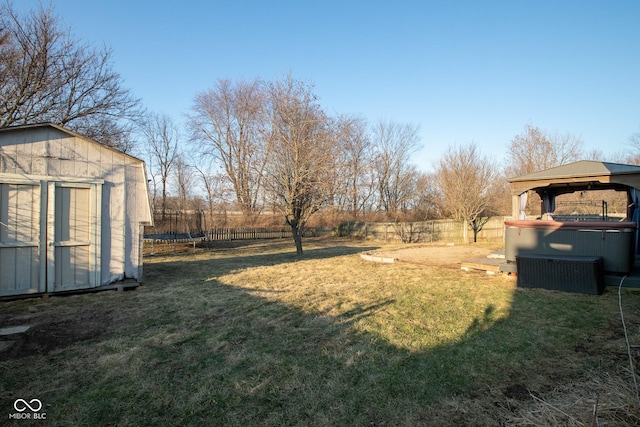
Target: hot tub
[{"x": 613, "y": 241}]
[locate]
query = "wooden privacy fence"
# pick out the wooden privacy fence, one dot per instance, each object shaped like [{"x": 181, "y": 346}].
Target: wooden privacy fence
[{"x": 421, "y": 232}]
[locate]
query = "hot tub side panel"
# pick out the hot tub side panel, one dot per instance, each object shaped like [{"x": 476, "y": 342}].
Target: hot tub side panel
[{"x": 615, "y": 246}]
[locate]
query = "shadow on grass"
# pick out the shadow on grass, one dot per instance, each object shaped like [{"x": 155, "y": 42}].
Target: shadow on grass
[
  {"x": 242, "y": 260},
  {"x": 230, "y": 355}
]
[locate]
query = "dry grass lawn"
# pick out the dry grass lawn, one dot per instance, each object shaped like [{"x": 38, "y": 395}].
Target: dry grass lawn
[{"x": 248, "y": 334}]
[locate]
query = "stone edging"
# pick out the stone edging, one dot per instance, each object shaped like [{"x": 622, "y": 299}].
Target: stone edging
[{"x": 377, "y": 258}]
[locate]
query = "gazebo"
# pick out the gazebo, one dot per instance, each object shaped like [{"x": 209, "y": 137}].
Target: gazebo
[{"x": 563, "y": 255}]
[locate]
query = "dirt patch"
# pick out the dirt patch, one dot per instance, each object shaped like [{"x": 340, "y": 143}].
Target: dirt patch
[
  {"x": 59, "y": 329},
  {"x": 517, "y": 392},
  {"x": 441, "y": 256}
]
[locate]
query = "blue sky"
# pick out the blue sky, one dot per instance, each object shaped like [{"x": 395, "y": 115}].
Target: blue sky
[{"x": 463, "y": 71}]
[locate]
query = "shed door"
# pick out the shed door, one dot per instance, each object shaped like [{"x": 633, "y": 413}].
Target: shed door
[
  {"x": 19, "y": 239},
  {"x": 73, "y": 237}
]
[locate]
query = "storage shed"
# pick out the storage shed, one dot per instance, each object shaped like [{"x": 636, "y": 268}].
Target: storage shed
[{"x": 72, "y": 212}]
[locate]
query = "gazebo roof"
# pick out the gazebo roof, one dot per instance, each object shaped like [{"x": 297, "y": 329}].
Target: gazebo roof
[{"x": 584, "y": 174}]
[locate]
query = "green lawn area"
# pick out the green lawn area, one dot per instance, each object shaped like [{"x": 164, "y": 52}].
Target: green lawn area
[{"x": 254, "y": 336}]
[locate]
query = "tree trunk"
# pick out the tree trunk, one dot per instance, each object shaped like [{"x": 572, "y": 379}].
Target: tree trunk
[
  {"x": 477, "y": 224},
  {"x": 164, "y": 201},
  {"x": 297, "y": 238}
]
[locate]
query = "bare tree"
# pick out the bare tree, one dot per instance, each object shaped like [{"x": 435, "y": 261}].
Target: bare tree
[
  {"x": 162, "y": 140},
  {"x": 216, "y": 187},
  {"x": 499, "y": 196},
  {"x": 394, "y": 145},
  {"x": 633, "y": 157},
  {"x": 424, "y": 201},
  {"x": 183, "y": 181},
  {"x": 356, "y": 151},
  {"x": 230, "y": 122},
  {"x": 536, "y": 150},
  {"x": 48, "y": 76},
  {"x": 302, "y": 165},
  {"x": 465, "y": 178}
]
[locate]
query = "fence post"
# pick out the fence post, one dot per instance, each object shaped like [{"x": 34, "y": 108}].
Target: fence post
[{"x": 433, "y": 230}]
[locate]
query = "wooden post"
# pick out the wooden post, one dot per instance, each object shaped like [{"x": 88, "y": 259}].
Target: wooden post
[{"x": 515, "y": 207}]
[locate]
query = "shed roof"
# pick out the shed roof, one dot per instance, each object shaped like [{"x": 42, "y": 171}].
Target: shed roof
[
  {"x": 584, "y": 174},
  {"x": 67, "y": 131}
]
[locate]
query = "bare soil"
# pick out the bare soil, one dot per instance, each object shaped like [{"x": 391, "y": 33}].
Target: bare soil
[
  {"x": 441, "y": 256},
  {"x": 53, "y": 329}
]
